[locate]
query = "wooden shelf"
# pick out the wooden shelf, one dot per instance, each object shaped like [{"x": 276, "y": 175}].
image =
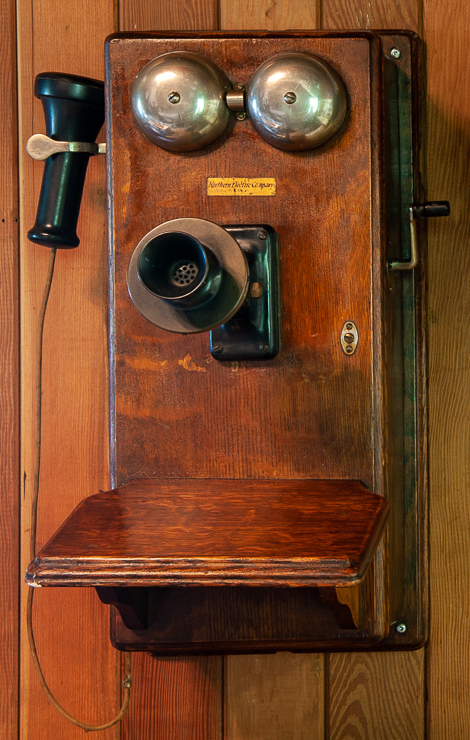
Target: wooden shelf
[{"x": 196, "y": 532}]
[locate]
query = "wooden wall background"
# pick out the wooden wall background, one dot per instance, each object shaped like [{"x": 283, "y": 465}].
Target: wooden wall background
[{"x": 409, "y": 696}]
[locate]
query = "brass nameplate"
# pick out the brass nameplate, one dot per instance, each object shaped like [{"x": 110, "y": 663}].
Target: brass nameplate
[{"x": 241, "y": 186}]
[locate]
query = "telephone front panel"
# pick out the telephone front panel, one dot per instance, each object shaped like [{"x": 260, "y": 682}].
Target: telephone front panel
[{"x": 266, "y": 349}]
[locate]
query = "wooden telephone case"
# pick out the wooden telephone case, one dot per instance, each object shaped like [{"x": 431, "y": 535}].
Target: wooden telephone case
[{"x": 249, "y": 496}]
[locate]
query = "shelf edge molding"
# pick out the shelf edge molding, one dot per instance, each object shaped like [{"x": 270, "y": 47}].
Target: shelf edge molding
[{"x": 195, "y": 532}]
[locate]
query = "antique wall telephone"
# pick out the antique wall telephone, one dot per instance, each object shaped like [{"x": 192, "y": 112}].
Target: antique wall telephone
[{"x": 263, "y": 188}]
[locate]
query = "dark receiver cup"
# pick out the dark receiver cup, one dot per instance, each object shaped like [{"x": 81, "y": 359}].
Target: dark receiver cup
[{"x": 177, "y": 268}]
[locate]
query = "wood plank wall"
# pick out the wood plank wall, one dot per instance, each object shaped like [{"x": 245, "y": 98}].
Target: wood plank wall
[
  {"x": 9, "y": 381},
  {"x": 284, "y": 696}
]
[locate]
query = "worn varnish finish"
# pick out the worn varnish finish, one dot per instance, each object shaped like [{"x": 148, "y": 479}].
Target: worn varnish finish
[
  {"x": 200, "y": 532},
  {"x": 293, "y": 396},
  {"x": 195, "y": 532},
  {"x": 181, "y": 413},
  {"x": 147, "y": 361},
  {"x": 380, "y": 697},
  {"x": 235, "y": 620}
]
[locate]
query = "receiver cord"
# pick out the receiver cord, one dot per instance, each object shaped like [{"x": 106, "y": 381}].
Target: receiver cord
[{"x": 37, "y": 466}]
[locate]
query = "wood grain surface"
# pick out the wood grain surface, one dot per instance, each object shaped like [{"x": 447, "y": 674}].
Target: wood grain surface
[
  {"x": 159, "y": 15},
  {"x": 199, "y": 718},
  {"x": 263, "y": 673},
  {"x": 274, "y": 697},
  {"x": 376, "y": 696},
  {"x": 368, "y": 696},
  {"x": 376, "y": 672},
  {"x": 267, "y": 15},
  {"x": 448, "y": 145},
  {"x": 71, "y": 627},
  {"x": 214, "y": 620},
  {"x": 195, "y": 532},
  {"x": 9, "y": 381},
  {"x": 177, "y": 698},
  {"x": 339, "y": 14},
  {"x": 186, "y": 425}
]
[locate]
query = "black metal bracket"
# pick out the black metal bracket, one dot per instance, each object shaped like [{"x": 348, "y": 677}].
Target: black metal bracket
[{"x": 253, "y": 333}]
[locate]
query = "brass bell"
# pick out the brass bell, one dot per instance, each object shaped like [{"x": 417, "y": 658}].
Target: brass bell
[
  {"x": 178, "y": 101},
  {"x": 296, "y": 101}
]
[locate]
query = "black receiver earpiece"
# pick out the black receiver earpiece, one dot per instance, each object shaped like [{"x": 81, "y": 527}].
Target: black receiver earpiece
[{"x": 74, "y": 112}]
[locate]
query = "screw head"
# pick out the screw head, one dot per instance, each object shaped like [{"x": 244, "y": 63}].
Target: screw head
[
  {"x": 264, "y": 347},
  {"x": 349, "y": 325},
  {"x": 256, "y": 290},
  {"x": 174, "y": 97},
  {"x": 349, "y": 338},
  {"x": 239, "y": 86},
  {"x": 290, "y": 98},
  {"x": 349, "y": 349},
  {"x": 395, "y": 53},
  {"x": 261, "y": 234},
  {"x": 401, "y": 628},
  {"x": 217, "y": 348},
  {"x": 241, "y": 116}
]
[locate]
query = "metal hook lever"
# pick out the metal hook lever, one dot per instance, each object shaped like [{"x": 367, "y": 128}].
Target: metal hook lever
[
  {"x": 433, "y": 209},
  {"x": 40, "y": 146}
]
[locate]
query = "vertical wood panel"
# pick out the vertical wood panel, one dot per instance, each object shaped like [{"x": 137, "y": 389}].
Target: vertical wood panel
[
  {"x": 160, "y": 15},
  {"x": 174, "y": 699},
  {"x": 446, "y": 27},
  {"x": 274, "y": 697},
  {"x": 366, "y": 15},
  {"x": 370, "y": 696},
  {"x": 377, "y": 696},
  {"x": 269, "y": 15},
  {"x": 282, "y": 696},
  {"x": 71, "y": 625},
  {"x": 9, "y": 385}
]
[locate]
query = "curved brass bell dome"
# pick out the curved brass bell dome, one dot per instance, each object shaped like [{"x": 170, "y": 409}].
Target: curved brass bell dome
[
  {"x": 178, "y": 101},
  {"x": 296, "y": 101}
]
